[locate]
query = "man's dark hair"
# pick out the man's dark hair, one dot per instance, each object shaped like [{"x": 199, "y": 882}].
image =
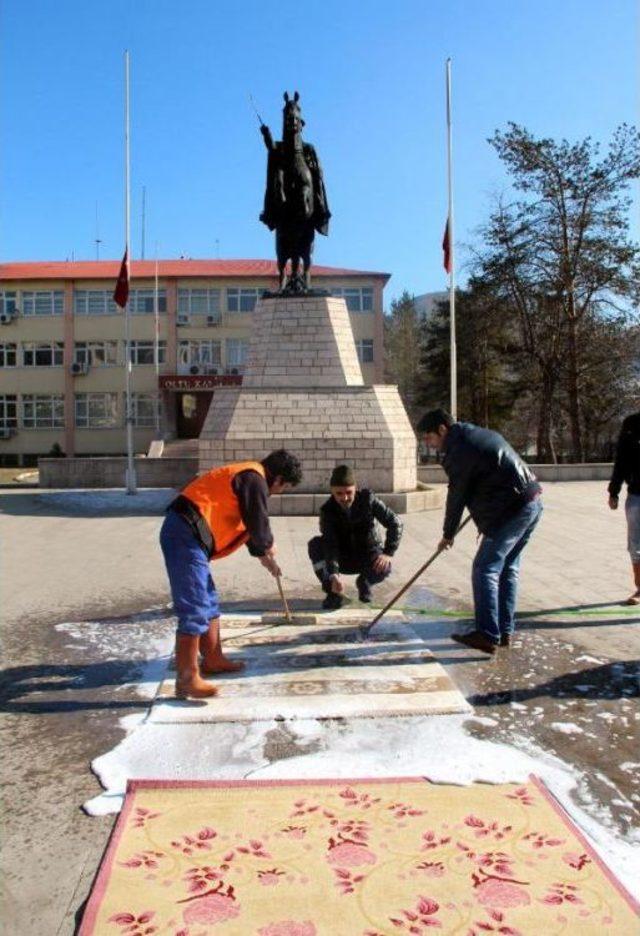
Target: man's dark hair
[
  {"x": 284, "y": 464},
  {"x": 434, "y": 418}
]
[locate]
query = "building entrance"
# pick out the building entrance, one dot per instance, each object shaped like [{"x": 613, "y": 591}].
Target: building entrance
[{"x": 191, "y": 412}]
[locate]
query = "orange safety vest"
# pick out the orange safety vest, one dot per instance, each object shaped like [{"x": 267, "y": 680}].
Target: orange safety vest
[{"x": 213, "y": 495}]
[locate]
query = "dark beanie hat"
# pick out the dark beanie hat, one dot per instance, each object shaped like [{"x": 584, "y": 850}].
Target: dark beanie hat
[
  {"x": 342, "y": 476},
  {"x": 433, "y": 419}
]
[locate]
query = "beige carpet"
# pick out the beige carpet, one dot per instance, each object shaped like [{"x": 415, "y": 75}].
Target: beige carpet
[
  {"x": 351, "y": 858},
  {"x": 321, "y": 671}
]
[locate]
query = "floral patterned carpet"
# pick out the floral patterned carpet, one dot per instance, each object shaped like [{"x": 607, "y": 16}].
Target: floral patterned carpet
[{"x": 351, "y": 858}]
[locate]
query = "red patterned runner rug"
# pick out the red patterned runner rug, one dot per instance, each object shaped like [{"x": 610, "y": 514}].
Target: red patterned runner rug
[{"x": 351, "y": 858}]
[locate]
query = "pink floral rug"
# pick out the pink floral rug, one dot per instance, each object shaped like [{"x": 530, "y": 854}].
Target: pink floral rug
[{"x": 351, "y": 858}]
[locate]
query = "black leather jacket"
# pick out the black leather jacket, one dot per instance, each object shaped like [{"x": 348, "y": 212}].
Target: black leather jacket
[
  {"x": 353, "y": 532},
  {"x": 626, "y": 467},
  {"x": 486, "y": 476}
]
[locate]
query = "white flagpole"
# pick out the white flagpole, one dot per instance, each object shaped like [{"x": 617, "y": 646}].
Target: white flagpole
[
  {"x": 131, "y": 471},
  {"x": 452, "y": 293},
  {"x": 156, "y": 345}
]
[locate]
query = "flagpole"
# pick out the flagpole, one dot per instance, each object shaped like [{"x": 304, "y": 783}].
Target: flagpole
[
  {"x": 156, "y": 344},
  {"x": 130, "y": 479},
  {"x": 452, "y": 294}
]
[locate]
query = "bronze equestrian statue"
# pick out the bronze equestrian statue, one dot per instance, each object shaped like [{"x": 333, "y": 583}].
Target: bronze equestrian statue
[{"x": 295, "y": 201}]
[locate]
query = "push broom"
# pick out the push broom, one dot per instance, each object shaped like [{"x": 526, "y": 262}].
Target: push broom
[{"x": 366, "y": 628}]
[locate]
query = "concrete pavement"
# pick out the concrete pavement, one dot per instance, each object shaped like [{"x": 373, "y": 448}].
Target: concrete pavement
[{"x": 84, "y": 557}]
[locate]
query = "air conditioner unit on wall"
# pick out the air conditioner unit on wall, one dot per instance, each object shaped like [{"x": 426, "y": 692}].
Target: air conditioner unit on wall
[
  {"x": 210, "y": 370},
  {"x": 182, "y": 319},
  {"x": 195, "y": 369},
  {"x": 78, "y": 368},
  {"x": 6, "y": 432},
  {"x": 213, "y": 320},
  {"x": 6, "y": 318}
]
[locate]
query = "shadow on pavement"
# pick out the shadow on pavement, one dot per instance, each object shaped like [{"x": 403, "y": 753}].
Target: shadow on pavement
[
  {"x": 609, "y": 681},
  {"x": 88, "y": 503},
  {"x": 19, "y": 682}
]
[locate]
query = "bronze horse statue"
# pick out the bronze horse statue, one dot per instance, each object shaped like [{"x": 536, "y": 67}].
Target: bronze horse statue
[{"x": 295, "y": 201}]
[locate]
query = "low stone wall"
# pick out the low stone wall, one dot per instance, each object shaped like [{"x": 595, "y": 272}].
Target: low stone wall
[
  {"x": 597, "y": 471},
  {"x": 109, "y": 472}
]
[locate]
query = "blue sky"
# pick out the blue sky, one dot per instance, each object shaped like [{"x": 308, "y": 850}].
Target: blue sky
[{"x": 371, "y": 80}]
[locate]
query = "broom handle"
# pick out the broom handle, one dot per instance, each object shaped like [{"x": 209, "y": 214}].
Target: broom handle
[
  {"x": 412, "y": 580},
  {"x": 287, "y": 613}
]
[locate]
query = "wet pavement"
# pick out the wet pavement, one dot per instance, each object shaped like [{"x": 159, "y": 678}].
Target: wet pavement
[{"x": 546, "y": 693}]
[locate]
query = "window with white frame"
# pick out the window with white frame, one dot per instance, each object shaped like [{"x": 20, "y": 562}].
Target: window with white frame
[
  {"x": 42, "y": 353},
  {"x": 96, "y": 353},
  {"x": 143, "y": 352},
  {"x": 8, "y": 354},
  {"x": 8, "y": 302},
  {"x": 364, "y": 347},
  {"x": 200, "y": 352},
  {"x": 43, "y": 302},
  {"x": 199, "y": 302},
  {"x": 242, "y": 300},
  {"x": 8, "y": 411},
  {"x": 40, "y": 411},
  {"x": 94, "y": 302},
  {"x": 142, "y": 301},
  {"x": 145, "y": 409},
  {"x": 96, "y": 410},
  {"x": 357, "y": 298},
  {"x": 236, "y": 350}
]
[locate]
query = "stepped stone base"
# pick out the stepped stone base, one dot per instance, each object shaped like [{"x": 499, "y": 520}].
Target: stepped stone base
[{"x": 366, "y": 427}]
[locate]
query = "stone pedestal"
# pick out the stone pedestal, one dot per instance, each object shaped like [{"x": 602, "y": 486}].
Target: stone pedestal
[{"x": 303, "y": 391}]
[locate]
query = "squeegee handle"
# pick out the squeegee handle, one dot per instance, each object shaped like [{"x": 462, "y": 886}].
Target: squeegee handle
[
  {"x": 417, "y": 575},
  {"x": 287, "y": 613}
]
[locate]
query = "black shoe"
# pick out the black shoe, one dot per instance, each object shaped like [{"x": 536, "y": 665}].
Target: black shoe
[
  {"x": 332, "y": 602},
  {"x": 505, "y": 640},
  {"x": 476, "y": 640},
  {"x": 364, "y": 589}
]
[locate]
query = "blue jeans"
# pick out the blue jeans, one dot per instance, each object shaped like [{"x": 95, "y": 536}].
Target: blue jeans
[
  {"x": 495, "y": 572},
  {"x": 195, "y": 599}
]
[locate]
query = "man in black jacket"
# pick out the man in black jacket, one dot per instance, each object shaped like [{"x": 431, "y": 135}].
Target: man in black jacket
[
  {"x": 503, "y": 497},
  {"x": 349, "y": 541},
  {"x": 626, "y": 469}
]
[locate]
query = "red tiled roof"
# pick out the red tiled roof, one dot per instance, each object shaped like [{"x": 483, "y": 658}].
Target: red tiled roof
[{"x": 108, "y": 269}]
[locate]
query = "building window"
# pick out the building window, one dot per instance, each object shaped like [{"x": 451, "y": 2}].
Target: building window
[
  {"x": 7, "y": 355},
  {"x": 8, "y": 411},
  {"x": 42, "y": 353},
  {"x": 94, "y": 302},
  {"x": 364, "y": 347},
  {"x": 96, "y": 410},
  {"x": 42, "y": 412},
  {"x": 200, "y": 352},
  {"x": 143, "y": 352},
  {"x": 96, "y": 353},
  {"x": 242, "y": 300},
  {"x": 142, "y": 301},
  {"x": 236, "y": 354},
  {"x": 8, "y": 303},
  {"x": 358, "y": 299},
  {"x": 145, "y": 409},
  {"x": 199, "y": 302},
  {"x": 43, "y": 302}
]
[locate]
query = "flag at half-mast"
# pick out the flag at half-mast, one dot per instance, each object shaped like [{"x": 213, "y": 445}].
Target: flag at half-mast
[
  {"x": 446, "y": 248},
  {"x": 121, "y": 292}
]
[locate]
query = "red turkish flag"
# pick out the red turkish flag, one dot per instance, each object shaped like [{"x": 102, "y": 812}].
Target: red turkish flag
[
  {"x": 446, "y": 248},
  {"x": 121, "y": 292}
]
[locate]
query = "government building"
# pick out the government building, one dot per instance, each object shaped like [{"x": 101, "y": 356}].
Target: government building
[{"x": 63, "y": 348}]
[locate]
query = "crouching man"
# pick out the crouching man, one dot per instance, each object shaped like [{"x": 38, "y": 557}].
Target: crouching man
[
  {"x": 211, "y": 518},
  {"x": 348, "y": 543}
]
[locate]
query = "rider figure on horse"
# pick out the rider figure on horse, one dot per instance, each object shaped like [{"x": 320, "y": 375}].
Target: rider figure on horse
[{"x": 295, "y": 201}]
